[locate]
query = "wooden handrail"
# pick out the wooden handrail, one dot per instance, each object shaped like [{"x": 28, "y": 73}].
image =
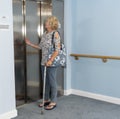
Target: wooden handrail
[{"x": 104, "y": 58}]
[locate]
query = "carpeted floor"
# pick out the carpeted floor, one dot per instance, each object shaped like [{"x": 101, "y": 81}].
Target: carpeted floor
[{"x": 72, "y": 107}]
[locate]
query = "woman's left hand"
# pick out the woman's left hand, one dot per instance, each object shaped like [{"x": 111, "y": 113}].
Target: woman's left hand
[{"x": 49, "y": 63}]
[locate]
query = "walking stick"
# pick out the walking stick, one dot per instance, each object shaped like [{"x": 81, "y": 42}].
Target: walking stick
[{"x": 44, "y": 82}]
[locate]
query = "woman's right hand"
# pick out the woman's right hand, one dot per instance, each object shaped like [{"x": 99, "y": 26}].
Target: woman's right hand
[
  {"x": 27, "y": 41},
  {"x": 31, "y": 44}
]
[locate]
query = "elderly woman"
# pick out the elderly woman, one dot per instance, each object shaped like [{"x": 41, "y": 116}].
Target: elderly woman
[{"x": 51, "y": 26}]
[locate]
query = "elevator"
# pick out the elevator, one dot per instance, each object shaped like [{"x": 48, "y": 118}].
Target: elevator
[{"x": 28, "y": 21}]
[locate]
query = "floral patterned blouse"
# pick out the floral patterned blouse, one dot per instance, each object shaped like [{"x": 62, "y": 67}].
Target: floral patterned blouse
[{"x": 46, "y": 44}]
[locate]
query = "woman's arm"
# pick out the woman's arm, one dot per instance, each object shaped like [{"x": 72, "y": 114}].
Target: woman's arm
[{"x": 31, "y": 44}]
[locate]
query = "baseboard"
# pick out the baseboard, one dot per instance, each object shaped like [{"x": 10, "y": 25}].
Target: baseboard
[
  {"x": 67, "y": 92},
  {"x": 93, "y": 96},
  {"x": 9, "y": 115}
]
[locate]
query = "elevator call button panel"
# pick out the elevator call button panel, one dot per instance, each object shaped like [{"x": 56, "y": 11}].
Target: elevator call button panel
[{"x": 4, "y": 23}]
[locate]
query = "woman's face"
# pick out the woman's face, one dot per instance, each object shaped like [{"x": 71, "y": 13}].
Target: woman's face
[{"x": 47, "y": 25}]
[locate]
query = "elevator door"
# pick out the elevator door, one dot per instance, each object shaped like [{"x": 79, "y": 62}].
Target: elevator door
[
  {"x": 36, "y": 12},
  {"x": 19, "y": 53},
  {"x": 28, "y": 22},
  {"x": 33, "y": 75}
]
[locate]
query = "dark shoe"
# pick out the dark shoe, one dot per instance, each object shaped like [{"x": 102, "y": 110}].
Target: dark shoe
[
  {"x": 45, "y": 104},
  {"x": 50, "y": 106}
]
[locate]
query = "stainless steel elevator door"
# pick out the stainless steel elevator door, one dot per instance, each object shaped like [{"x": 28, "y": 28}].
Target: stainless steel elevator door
[
  {"x": 33, "y": 74},
  {"x": 28, "y": 22},
  {"x": 36, "y": 12},
  {"x": 19, "y": 53}
]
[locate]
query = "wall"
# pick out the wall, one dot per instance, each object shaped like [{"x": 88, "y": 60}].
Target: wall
[
  {"x": 7, "y": 88},
  {"x": 96, "y": 30}
]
